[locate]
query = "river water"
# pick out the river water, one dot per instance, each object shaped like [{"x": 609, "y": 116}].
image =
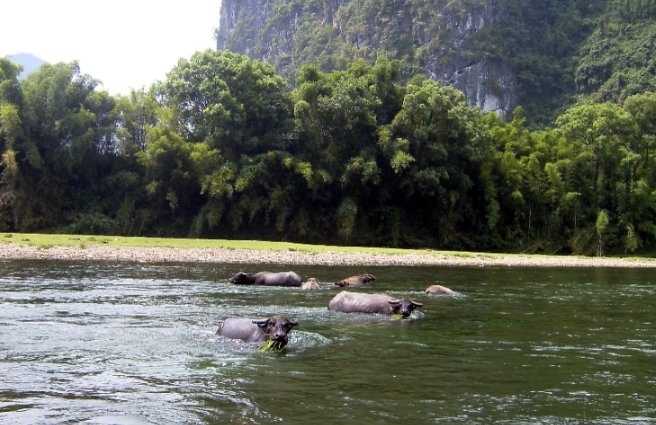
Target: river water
[{"x": 105, "y": 343}]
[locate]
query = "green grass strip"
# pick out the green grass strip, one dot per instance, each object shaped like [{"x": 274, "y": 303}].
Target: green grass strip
[{"x": 45, "y": 241}]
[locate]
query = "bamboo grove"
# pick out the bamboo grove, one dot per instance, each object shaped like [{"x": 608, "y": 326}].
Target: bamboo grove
[{"x": 223, "y": 148}]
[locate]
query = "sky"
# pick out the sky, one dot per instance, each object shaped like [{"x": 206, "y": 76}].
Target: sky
[{"x": 123, "y": 43}]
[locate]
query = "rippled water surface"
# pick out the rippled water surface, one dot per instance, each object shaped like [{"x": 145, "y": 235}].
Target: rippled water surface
[{"x": 101, "y": 343}]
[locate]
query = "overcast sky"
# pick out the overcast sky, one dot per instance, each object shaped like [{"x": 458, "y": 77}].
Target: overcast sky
[{"x": 124, "y": 43}]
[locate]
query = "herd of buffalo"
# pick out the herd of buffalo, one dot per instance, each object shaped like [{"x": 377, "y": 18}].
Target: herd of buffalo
[{"x": 276, "y": 328}]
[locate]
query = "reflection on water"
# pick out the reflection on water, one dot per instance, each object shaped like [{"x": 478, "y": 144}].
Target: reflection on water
[{"x": 135, "y": 343}]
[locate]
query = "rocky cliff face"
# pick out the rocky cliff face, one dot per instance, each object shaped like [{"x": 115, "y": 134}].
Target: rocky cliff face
[{"x": 438, "y": 38}]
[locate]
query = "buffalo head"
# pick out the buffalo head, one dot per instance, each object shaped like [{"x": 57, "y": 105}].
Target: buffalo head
[
  {"x": 242, "y": 278},
  {"x": 276, "y": 328},
  {"x": 367, "y": 277},
  {"x": 404, "y": 306}
]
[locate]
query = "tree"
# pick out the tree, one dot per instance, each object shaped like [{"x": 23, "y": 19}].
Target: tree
[
  {"x": 338, "y": 116},
  {"x": 601, "y": 225},
  {"x": 58, "y": 124},
  {"x": 11, "y": 132},
  {"x": 609, "y": 138},
  {"x": 176, "y": 173},
  {"x": 231, "y": 102},
  {"x": 272, "y": 192},
  {"x": 135, "y": 114},
  {"x": 639, "y": 212},
  {"x": 447, "y": 143},
  {"x": 602, "y": 129}
]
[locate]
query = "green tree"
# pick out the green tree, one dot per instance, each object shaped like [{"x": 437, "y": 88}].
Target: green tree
[
  {"x": 609, "y": 140},
  {"x": 601, "y": 225},
  {"x": 272, "y": 193},
  {"x": 136, "y": 113},
  {"x": 448, "y": 143},
  {"x": 11, "y": 133},
  {"x": 234, "y": 103},
  {"x": 60, "y": 140},
  {"x": 602, "y": 129},
  {"x": 176, "y": 172},
  {"x": 337, "y": 120},
  {"x": 639, "y": 212}
]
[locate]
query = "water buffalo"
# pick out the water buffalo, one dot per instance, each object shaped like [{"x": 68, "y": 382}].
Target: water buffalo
[
  {"x": 361, "y": 280},
  {"x": 274, "y": 328},
  {"x": 267, "y": 278},
  {"x": 439, "y": 290},
  {"x": 311, "y": 284},
  {"x": 351, "y": 302}
]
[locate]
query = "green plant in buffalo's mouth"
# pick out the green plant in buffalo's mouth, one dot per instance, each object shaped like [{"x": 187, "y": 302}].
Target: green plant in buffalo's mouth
[
  {"x": 398, "y": 316},
  {"x": 272, "y": 345}
]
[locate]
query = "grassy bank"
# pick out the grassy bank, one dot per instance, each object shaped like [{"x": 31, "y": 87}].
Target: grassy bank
[
  {"x": 45, "y": 241},
  {"x": 116, "y": 248}
]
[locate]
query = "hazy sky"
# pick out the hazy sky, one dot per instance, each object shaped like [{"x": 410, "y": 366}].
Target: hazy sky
[{"x": 124, "y": 43}]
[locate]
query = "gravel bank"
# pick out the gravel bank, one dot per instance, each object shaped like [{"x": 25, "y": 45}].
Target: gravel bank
[{"x": 245, "y": 256}]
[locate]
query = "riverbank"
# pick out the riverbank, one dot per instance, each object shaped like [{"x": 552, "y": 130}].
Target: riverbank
[{"x": 16, "y": 251}]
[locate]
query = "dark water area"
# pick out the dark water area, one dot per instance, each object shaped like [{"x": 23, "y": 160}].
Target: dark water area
[{"x": 103, "y": 343}]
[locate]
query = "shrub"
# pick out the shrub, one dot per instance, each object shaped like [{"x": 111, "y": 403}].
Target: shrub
[{"x": 93, "y": 223}]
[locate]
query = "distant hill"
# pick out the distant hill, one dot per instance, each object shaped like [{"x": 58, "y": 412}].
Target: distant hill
[
  {"x": 28, "y": 61},
  {"x": 542, "y": 55}
]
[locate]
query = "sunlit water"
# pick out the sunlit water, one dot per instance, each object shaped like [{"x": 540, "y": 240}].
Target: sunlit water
[{"x": 98, "y": 343}]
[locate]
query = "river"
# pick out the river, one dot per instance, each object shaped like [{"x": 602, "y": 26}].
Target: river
[{"x": 109, "y": 343}]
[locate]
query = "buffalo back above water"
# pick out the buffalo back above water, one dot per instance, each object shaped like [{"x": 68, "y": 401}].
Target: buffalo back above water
[
  {"x": 352, "y": 302},
  {"x": 439, "y": 290},
  {"x": 267, "y": 278},
  {"x": 275, "y": 328},
  {"x": 361, "y": 280}
]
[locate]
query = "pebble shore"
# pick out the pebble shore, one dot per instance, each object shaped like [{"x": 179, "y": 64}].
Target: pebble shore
[{"x": 245, "y": 256}]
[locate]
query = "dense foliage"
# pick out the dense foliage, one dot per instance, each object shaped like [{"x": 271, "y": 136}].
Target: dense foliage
[
  {"x": 618, "y": 61},
  {"x": 557, "y": 51},
  {"x": 223, "y": 149}
]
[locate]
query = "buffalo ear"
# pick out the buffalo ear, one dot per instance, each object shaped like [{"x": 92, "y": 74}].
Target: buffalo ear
[
  {"x": 261, "y": 323},
  {"x": 293, "y": 323},
  {"x": 416, "y": 304}
]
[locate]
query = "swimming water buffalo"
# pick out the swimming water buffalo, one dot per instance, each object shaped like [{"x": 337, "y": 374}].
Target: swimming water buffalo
[
  {"x": 351, "y": 302},
  {"x": 267, "y": 279},
  {"x": 361, "y": 280},
  {"x": 310, "y": 285},
  {"x": 440, "y": 290},
  {"x": 275, "y": 328}
]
